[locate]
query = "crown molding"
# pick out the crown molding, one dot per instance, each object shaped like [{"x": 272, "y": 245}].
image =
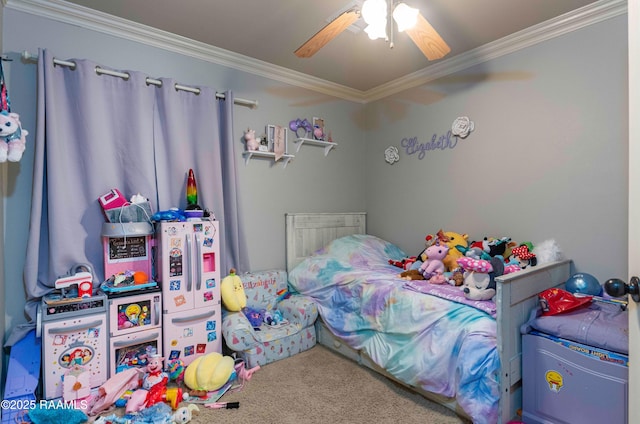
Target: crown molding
[
  {"x": 63, "y": 11},
  {"x": 588, "y": 15}
]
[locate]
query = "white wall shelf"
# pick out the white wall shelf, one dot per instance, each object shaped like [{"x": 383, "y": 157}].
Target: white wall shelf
[
  {"x": 248, "y": 155},
  {"x": 328, "y": 145}
]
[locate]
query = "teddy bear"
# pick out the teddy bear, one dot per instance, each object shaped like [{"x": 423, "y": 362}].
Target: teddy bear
[
  {"x": 13, "y": 138},
  {"x": 455, "y": 241}
]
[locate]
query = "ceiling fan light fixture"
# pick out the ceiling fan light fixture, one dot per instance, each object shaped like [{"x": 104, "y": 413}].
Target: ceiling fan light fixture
[
  {"x": 377, "y": 31},
  {"x": 374, "y": 12},
  {"x": 406, "y": 17}
]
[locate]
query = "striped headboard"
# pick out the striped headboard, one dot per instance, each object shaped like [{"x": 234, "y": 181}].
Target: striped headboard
[{"x": 308, "y": 232}]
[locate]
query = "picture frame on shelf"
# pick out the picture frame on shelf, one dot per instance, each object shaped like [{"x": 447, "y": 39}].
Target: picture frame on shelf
[
  {"x": 270, "y": 131},
  {"x": 318, "y": 129},
  {"x": 280, "y": 141}
]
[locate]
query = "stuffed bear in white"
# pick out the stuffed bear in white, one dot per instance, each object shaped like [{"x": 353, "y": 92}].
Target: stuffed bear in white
[{"x": 13, "y": 139}]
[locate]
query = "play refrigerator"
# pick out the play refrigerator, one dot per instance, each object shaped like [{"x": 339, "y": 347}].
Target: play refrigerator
[{"x": 188, "y": 268}]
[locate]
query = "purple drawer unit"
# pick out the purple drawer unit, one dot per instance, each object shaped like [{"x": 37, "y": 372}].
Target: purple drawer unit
[{"x": 567, "y": 383}]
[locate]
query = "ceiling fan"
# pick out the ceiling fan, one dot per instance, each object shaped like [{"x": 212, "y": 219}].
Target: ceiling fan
[{"x": 377, "y": 14}]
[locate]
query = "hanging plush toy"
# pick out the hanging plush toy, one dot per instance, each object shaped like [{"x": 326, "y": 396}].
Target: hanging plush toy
[{"x": 13, "y": 137}]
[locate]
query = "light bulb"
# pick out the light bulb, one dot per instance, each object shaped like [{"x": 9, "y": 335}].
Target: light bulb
[
  {"x": 374, "y": 11},
  {"x": 377, "y": 31},
  {"x": 405, "y": 16}
]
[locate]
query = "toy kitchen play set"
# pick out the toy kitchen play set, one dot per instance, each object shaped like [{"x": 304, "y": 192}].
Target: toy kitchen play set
[
  {"x": 73, "y": 325},
  {"x": 160, "y": 295}
]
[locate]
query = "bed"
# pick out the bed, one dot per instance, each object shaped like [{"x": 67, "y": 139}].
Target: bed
[{"x": 453, "y": 353}]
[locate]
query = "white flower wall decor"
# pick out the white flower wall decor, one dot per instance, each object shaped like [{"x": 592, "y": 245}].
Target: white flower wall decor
[
  {"x": 462, "y": 127},
  {"x": 391, "y": 155}
]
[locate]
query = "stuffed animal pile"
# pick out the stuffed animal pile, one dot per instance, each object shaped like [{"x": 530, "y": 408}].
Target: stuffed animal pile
[{"x": 448, "y": 257}]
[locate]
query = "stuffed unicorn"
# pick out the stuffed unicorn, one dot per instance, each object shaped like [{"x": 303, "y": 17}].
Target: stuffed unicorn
[{"x": 13, "y": 138}]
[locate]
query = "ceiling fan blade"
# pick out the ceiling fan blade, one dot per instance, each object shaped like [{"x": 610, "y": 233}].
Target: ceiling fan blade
[
  {"x": 328, "y": 33},
  {"x": 428, "y": 40}
]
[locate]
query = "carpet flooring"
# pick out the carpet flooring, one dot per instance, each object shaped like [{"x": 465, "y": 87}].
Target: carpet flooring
[{"x": 320, "y": 386}]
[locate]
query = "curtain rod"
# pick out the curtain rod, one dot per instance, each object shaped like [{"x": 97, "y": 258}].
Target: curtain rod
[{"x": 100, "y": 71}]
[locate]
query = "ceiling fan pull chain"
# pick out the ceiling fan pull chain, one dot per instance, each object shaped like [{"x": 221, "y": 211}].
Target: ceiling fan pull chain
[{"x": 390, "y": 24}]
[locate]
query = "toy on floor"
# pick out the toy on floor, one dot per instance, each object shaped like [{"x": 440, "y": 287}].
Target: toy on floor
[
  {"x": 154, "y": 388},
  {"x": 184, "y": 414},
  {"x": 242, "y": 374},
  {"x": 114, "y": 388},
  {"x": 158, "y": 393},
  {"x": 159, "y": 413},
  {"x": 154, "y": 373},
  {"x": 208, "y": 372},
  {"x": 176, "y": 370},
  {"x": 76, "y": 383},
  {"x": 41, "y": 414}
]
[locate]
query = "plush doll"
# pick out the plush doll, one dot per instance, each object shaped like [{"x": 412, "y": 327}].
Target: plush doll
[
  {"x": 154, "y": 374},
  {"x": 453, "y": 240},
  {"x": 434, "y": 264},
  {"x": 523, "y": 256},
  {"x": 438, "y": 278},
  {"x": 232, "y": 292},
  {"x": 404, "y": 263},
  {"x": 474, "y": 252},
  {"x": 13, "y": 139},
  {"x": 184, "y": 414},
  {"x": 254, "y": 316},
  {"x": 250, "y": 139},
  {"x": 457, "y": 278},
  {"x": 416, "y": 261},
  {"x": 273, "y": 317},
  {"x": 209, "y": 372},
  {"x": 498, "y": 247},
  {"x": 411, "y": 274},
  {"x": 479, "y": 277}
]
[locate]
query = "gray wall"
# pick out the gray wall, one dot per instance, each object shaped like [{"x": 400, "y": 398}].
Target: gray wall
[
  {"x": 547, "y": 158},
  {"x": 311, "y": 182}
]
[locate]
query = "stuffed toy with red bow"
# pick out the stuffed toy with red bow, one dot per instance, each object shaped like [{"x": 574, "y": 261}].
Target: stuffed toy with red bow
[{"x": 524, "y": 255}]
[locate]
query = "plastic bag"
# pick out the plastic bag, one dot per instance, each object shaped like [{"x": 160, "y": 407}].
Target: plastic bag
[{"x": 556, "y": 301}]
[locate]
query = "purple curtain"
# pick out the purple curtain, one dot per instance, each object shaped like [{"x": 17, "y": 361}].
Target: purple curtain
[{"x": 96, "y": 132}]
